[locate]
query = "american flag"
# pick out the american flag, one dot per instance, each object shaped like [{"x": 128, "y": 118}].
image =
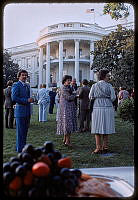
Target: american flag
[{"x": 90, "y": 10}]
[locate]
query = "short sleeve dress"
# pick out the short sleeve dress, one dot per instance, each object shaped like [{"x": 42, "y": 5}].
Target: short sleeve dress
[
  {"x": 103, "y": 110},
  {"x": 67, "y": 120}
]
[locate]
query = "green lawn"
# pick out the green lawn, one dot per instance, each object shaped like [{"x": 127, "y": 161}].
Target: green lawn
[{"x": 121, "y": 143}]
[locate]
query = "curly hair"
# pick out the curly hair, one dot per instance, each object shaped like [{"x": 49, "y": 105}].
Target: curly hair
[{"x": 66, "y": 77}]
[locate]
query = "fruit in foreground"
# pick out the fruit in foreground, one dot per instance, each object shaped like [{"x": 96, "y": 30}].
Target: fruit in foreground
[
  {"x": 16, "y": 183},
  {"x": 40, "y": 169},
  {"x": 65, "y": 162}
]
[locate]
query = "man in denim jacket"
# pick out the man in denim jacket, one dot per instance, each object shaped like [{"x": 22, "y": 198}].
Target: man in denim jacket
[{"x": 22, "y": 113}]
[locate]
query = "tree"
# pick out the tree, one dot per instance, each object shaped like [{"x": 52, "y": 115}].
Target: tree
[
  {"x": 115, "y": 52},
  {"x": 116, "y": 10},
  {"x": 10, "y": 69}
]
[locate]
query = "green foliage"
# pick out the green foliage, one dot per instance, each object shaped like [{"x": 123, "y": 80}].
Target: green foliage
[
  {"x": 116, "y": 10},
  {"x": 126, "y": 110},
  {"x": 116, "y": 53},
  {"x": 10, "y": 69}
]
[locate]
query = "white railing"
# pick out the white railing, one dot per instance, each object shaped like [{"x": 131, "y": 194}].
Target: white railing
[
  {"x": 72, "y": 26},
  {"x": 24, "y": 47}
]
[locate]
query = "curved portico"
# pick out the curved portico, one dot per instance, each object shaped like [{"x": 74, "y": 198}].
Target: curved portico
[{"x": 65, "y": 49}]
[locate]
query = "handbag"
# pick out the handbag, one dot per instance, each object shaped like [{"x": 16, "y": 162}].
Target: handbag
[{"x": 91, "y": 104}]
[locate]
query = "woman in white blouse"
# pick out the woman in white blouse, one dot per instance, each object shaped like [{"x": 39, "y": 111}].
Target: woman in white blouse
[{"x": 103, "y": 111}]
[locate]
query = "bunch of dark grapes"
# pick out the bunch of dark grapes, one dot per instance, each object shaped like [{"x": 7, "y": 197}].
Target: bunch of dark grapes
[{"x": 39, "y": 173}]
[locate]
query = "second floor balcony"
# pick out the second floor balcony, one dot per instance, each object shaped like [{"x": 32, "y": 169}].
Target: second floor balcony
[{"x": 69, "y": 58}]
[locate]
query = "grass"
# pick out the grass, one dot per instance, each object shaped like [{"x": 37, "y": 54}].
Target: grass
[{"x": 121, "y": 143}]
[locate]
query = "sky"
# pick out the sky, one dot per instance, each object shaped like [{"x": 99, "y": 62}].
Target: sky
[{"x": 22, "y": 22}]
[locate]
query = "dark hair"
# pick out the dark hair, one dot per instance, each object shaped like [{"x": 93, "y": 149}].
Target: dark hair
[
  {"x": 85, "y": 82},
  {"x": 102, "y": 73},
  {"x": 9, "y": 83},
  {"x": 65, "y": 78},
  {"x": 44, "y": 85},
  {"x": 21, "y": 71}
]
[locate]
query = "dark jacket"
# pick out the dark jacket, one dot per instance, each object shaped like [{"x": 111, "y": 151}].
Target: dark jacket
[
  {"x": 52, "y": 96},
  {"x": 8, "y": 99},
  {"x": 84, "y": 97}
]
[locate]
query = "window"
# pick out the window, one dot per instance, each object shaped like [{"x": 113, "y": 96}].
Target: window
[
  {"x": 64, "y": 53},
  {"x": 80, "y": 75},
  {"x": 68, "y": 25},
  {"x": 44, "y": 51},
  {"x": 80, "y": 53}
]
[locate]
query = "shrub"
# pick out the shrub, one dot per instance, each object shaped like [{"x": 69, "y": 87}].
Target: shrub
[{"x": 126, "y": 110}]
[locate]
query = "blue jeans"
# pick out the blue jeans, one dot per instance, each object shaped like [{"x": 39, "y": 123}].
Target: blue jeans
[
  {"x": 22, "y": 124},
  {"x": 43, "y": 112}
]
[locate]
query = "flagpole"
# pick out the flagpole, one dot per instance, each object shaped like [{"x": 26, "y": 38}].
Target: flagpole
[{"x": 92, "y": 12}]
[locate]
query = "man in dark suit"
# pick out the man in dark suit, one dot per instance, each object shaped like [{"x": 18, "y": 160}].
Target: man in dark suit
[
  {"x": 74, "y": 87},
  {"x": 84, "y": 106},
  {"x": 22, "y": 112},
  {"x": 52, "y": 95},
  {"x": 9, "y": 111},
  {"x": 73, "y": 84}
]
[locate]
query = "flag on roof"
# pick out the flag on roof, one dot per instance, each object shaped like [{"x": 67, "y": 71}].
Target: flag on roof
[{"x": 90, "y": 10}]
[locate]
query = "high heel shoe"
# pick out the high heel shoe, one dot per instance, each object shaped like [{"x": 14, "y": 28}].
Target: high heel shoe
[{"x": 97, "y": 151}]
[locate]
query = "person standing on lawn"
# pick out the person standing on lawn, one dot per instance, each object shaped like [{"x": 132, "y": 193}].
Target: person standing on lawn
[
  {"x": 122, "y": 95},
  {"x": 84, "y": 106},
  {"x": 57, "y": 98},
  {"x": 9, "y": 111},
  {"x": 74, "y": 87},
  {"x": 67, "y": 123},
  {"x": 52, "y": 95},
  {"x": 43, "y": 101},
  {"x": 21, "y": 96},
  {"x": 102, "y": 123}
]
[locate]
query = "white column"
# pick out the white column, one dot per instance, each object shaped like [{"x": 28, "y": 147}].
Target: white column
[
  {"x": 24, "y": 61},
  {"x": 48, "y": 64},
  {"x": 77, "y": 61},
  {"x": 40, "y": 66},
  {"x": 36, "y": 67},
  {"x": 91, "y": 60},
  {"x": 44, "y": 70},
  {"x": 60, "y": 62}
]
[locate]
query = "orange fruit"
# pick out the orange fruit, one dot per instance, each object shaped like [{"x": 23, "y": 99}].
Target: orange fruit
[
  {"x": 40, "y": 169},
  {"x": 16, "y": 183},
  {"x": 65, "y": 162},
  {"x": 28, "y": 178}
]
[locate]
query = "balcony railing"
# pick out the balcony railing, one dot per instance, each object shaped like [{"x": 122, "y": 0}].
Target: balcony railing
[
  {"x": 72, "y": 26},
  {"x": 70, "y": 57}
]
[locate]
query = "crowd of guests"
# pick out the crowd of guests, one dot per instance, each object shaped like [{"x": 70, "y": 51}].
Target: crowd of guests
[{"x": 73, "y": 113}]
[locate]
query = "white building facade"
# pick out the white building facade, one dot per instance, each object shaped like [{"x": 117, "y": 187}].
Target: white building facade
[{"x": 60, "y": 49}]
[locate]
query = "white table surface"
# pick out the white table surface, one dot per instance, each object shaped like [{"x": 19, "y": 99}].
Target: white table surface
[{"x": 125, "y": 173}]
